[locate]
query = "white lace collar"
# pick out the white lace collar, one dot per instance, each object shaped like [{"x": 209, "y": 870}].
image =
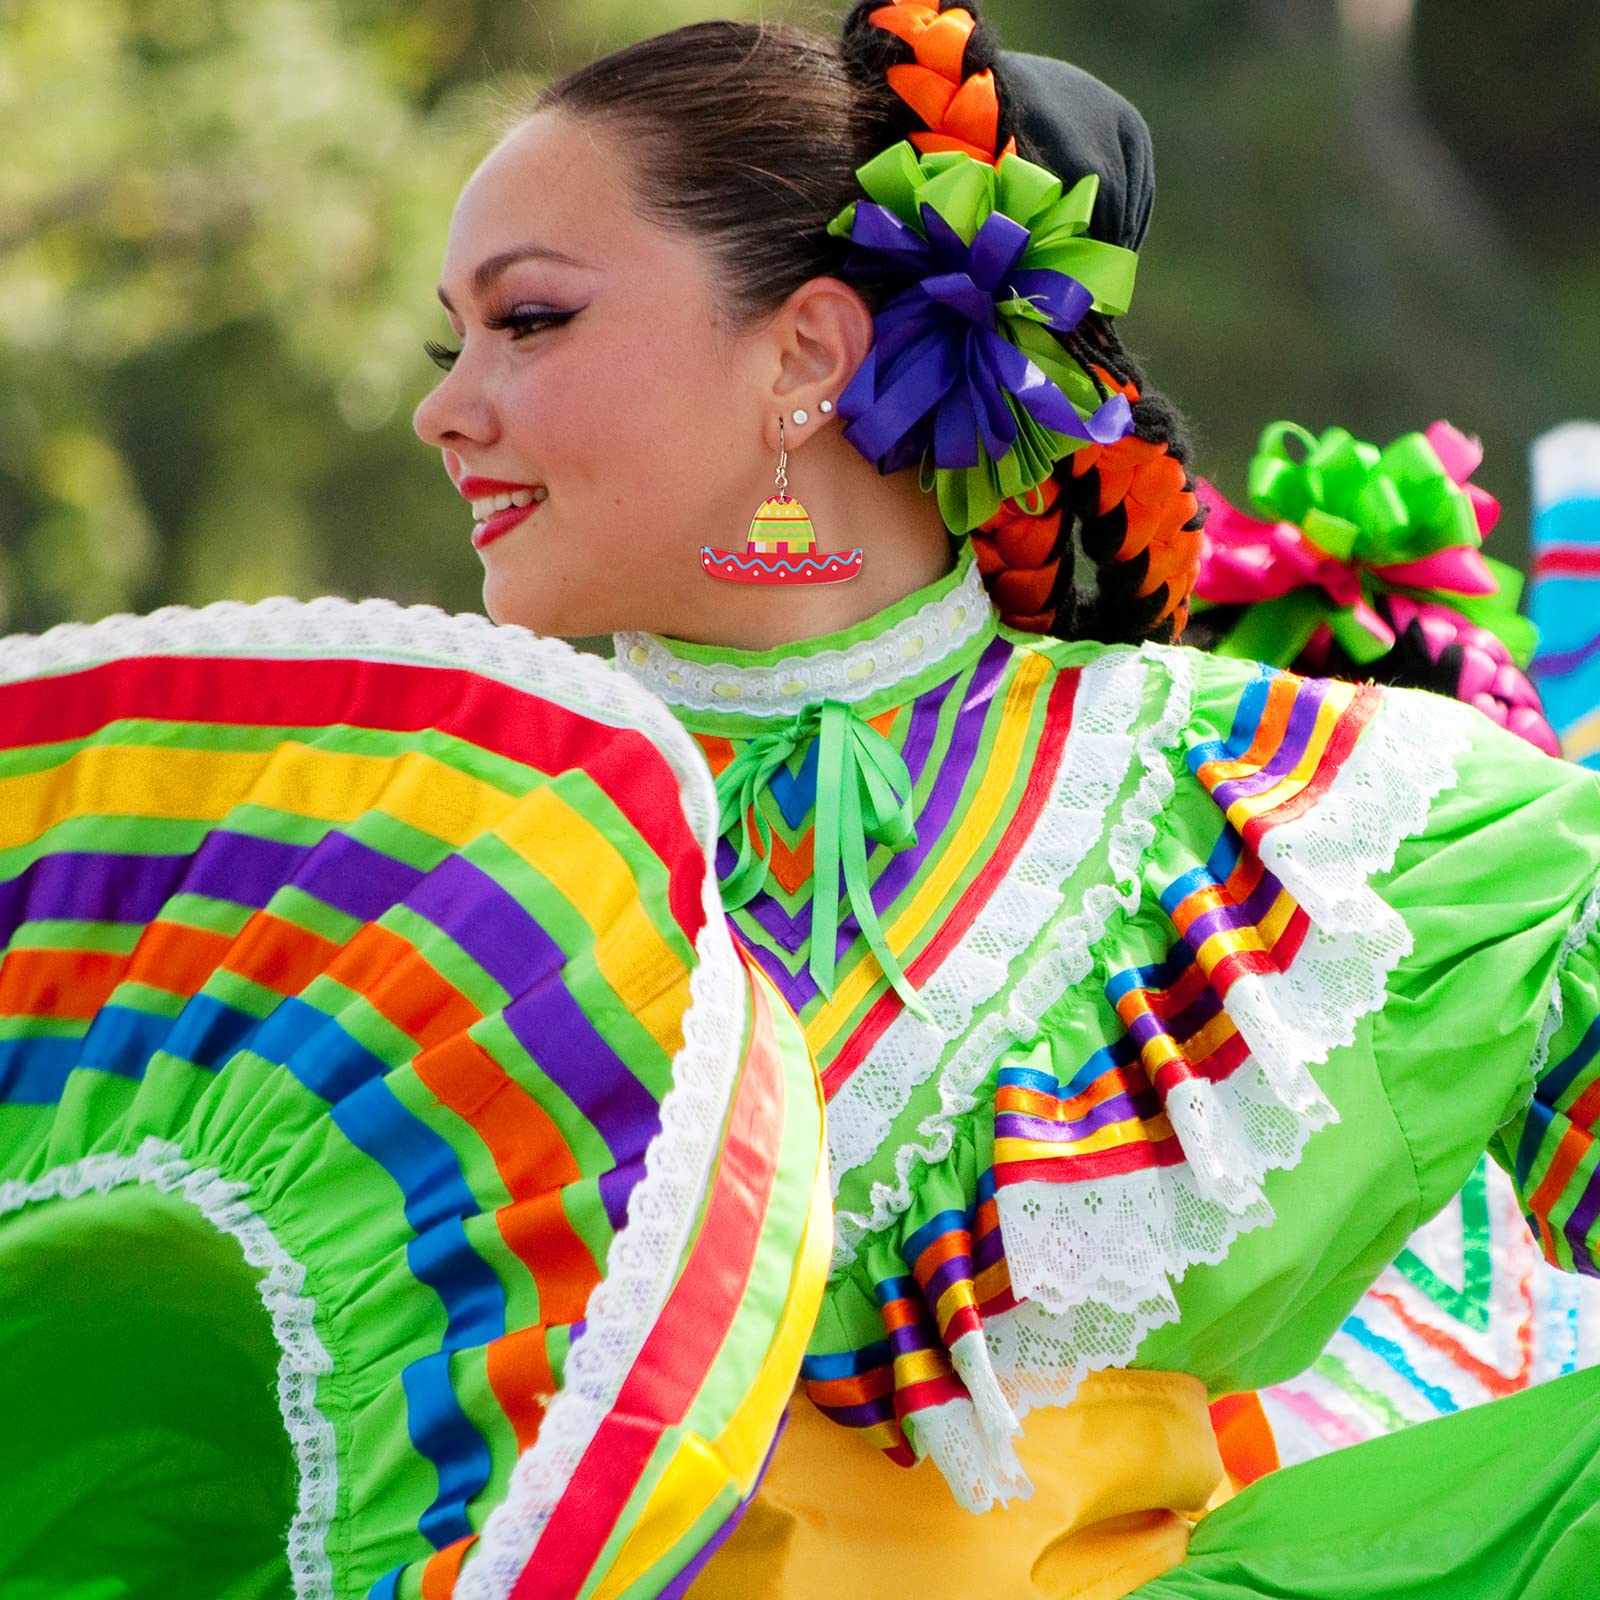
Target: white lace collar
[{"x": 899, "y": 648}]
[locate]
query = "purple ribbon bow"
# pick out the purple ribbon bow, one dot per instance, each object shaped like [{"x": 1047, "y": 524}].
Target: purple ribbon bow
[{"x": 945, "y": 368}]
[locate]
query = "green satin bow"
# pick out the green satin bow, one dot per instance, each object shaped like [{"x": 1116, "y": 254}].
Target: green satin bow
[
  {"x": 1360, "y": 504},
  {"x": 863, "y": 792}
]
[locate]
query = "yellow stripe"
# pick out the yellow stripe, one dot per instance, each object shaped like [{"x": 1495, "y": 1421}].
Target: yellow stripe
[
  {"x": 1582, "y": 739},
  {"x": 205, "y": 785},
  {"x": 1032, "y": 675},
  {"x": 1119, "y": 1133},
  {"x": 643, "y": 970},
  {"x": 1286, "y": 788},
  {"x": 698, "y": 1473}
]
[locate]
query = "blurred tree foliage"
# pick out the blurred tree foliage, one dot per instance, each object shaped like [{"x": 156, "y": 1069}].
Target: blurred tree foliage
[{"x": 221, "y": 223}]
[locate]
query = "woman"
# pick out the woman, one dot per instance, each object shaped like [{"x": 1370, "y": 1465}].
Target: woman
[{"x": 1156, "y": 997}]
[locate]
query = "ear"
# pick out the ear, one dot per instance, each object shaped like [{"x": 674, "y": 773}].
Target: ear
[{"x": 822, "y": 335}]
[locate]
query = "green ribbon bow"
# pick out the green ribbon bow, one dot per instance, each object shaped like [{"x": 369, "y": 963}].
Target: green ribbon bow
[
  {"x": 863, "y": 792},
  {"x": 1396, "y": 519},
  {"x": 965, "y": 193}
]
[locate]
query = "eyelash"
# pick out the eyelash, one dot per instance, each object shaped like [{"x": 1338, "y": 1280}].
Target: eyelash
[{"x": 521, "y": 323}]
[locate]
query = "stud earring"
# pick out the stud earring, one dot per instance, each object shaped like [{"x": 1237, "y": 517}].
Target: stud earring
[
  {"x": 802, "y": 416},
  {"x": 826, "y": 407}
]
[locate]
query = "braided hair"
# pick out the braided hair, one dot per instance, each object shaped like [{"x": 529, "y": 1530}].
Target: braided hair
[{"x": 749, "y": 135}]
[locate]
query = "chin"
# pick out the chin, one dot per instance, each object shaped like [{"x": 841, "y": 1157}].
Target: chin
[{"x": 510, "y": 598}]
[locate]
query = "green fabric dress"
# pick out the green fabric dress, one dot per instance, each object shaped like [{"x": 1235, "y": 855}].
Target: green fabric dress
[{"x": 1226, "y": 979}]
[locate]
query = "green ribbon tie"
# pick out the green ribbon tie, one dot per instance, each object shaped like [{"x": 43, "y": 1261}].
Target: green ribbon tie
[{"x": 863, "y": 792}]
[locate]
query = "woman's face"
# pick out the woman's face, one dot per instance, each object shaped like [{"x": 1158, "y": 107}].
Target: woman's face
[{"x": 592, "y": 377}]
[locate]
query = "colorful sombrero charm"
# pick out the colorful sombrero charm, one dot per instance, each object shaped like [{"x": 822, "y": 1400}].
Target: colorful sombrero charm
[
  {"x": 406, "y": 1187},
  {"x": 781, "y": 549}
]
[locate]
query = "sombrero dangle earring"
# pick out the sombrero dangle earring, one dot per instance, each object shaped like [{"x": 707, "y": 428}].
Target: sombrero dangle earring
[{"x": 781, "y": 547}]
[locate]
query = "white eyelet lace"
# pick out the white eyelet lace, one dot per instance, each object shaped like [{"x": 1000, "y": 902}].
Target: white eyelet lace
[{"x": 934, "y": 633}]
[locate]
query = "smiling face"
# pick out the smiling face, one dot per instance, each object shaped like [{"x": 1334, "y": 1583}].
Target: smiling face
[{"x": 594, "y": 378}]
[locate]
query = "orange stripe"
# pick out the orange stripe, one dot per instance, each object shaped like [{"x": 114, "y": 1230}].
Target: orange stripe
[
  {"x": 1575, "y": 1143},
  {"x": 400, "y": 983},
  {"x": 278, "y": 954},
  {"x": 58, "y": 983},
  {"x": 1269, "y": 734},
  {"x": 176, "y": 957},
  {"x": 1583, "y": 1111},
  {"x": 444, "y": 1567},
  {"x": 520, "y": 1376}
]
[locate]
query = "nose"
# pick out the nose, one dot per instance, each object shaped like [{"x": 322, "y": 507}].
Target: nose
[{"x": 455, "y": 412}]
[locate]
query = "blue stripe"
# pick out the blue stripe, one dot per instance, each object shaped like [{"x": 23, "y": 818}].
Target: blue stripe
[
  {"x": 1555, "y": 1083},
  {"x": 1575, "y": 521},
  {"x": 437, "y": 1199},
  {"x": 1240, "y": 737},
  {"x": 34, "y": 1072},
  {"x": 1392, "y": 1355},
  {"x": 917, "y": 1242},
  {"x": 847, "y": 1363},
  {"x": 1534, "y": 1130},
  {"x": 317, "y": 1050},
  {"x": 387, "y": 1587}
]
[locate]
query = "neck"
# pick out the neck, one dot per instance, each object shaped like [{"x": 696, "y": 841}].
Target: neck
[{"x": 897, "y": 527}]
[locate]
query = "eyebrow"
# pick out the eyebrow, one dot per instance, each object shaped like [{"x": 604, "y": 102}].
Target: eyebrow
[{"x": 491, "y": 269}]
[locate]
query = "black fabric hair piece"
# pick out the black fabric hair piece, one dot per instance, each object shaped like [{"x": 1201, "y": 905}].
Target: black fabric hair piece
[{"x": 1069, "y": 121}]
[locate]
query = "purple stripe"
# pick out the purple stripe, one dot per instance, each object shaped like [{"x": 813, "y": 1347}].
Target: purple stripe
[
  {"x": 1563, "y": 661},
  {"x": 1195, "y": 1016},
  {"x": 501, "y": 936},
  {"x": 1579, "y": 1225},
  {"x": 1296, "y": 736},
  {"x": 865, "y": 1414},
  {"x": 1119, "y": 1108},
  {"x": 914, "y": 1336},
  {"x": 987, "y": 1249},
  {"x": 1231, "y": 918},
  {"x": 242, "y": 868},
  {"x": 958, "y": 1269},
  {"x": 354, "y": 878},
  {"x": 89, "y": 886}
]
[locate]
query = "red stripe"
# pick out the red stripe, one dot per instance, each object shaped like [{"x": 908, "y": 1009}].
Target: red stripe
[
  {"x": 682, "y": 1347},
  {"x": 1340, "y": 743},
  {"x": 1567, "y": 560},
  {"x": 1110, "y": 1163},
  {"x": 368, "y": 694},
  {"x": 1041, "y": 775}
]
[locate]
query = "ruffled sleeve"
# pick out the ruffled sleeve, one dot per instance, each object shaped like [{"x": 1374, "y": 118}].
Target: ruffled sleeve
[{"x": 1281, "y": 1049}]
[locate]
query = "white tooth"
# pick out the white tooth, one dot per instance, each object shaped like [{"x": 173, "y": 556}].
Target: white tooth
[
  {"x": 523, "y": 497},
  {"x": 482, "y": 509},
  {"x": 502, "y": 502},
  {"x": 539, "y": 494}
]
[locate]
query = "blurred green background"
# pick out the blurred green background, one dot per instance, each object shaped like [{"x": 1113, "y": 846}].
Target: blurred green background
[{"x": 221, "y": 223}]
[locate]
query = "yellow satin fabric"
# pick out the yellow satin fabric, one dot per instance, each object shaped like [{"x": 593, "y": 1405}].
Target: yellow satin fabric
[{"x": 1119, "y": 1477}]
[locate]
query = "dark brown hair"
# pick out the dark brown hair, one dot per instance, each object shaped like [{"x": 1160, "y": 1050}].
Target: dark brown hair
[{"x": 747, "y": 135}]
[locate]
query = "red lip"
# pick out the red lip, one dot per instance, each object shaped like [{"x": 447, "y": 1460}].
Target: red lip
[
  {"x": 502, "y": 522},
  {"x": 478, "y": 488}
]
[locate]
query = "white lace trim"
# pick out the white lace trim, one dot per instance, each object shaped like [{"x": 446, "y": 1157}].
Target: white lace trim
[
  {"x": 1099, "y": 751},
  {"x": 1095, "y": 1265},
  {"x": 377, "y": 630},
  {"x": 928, "y": 636},
  {"x": 1579, "y": 934},
  {"x": 301, "y": 1356},
  {"x": 641, "y": 1267}
]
